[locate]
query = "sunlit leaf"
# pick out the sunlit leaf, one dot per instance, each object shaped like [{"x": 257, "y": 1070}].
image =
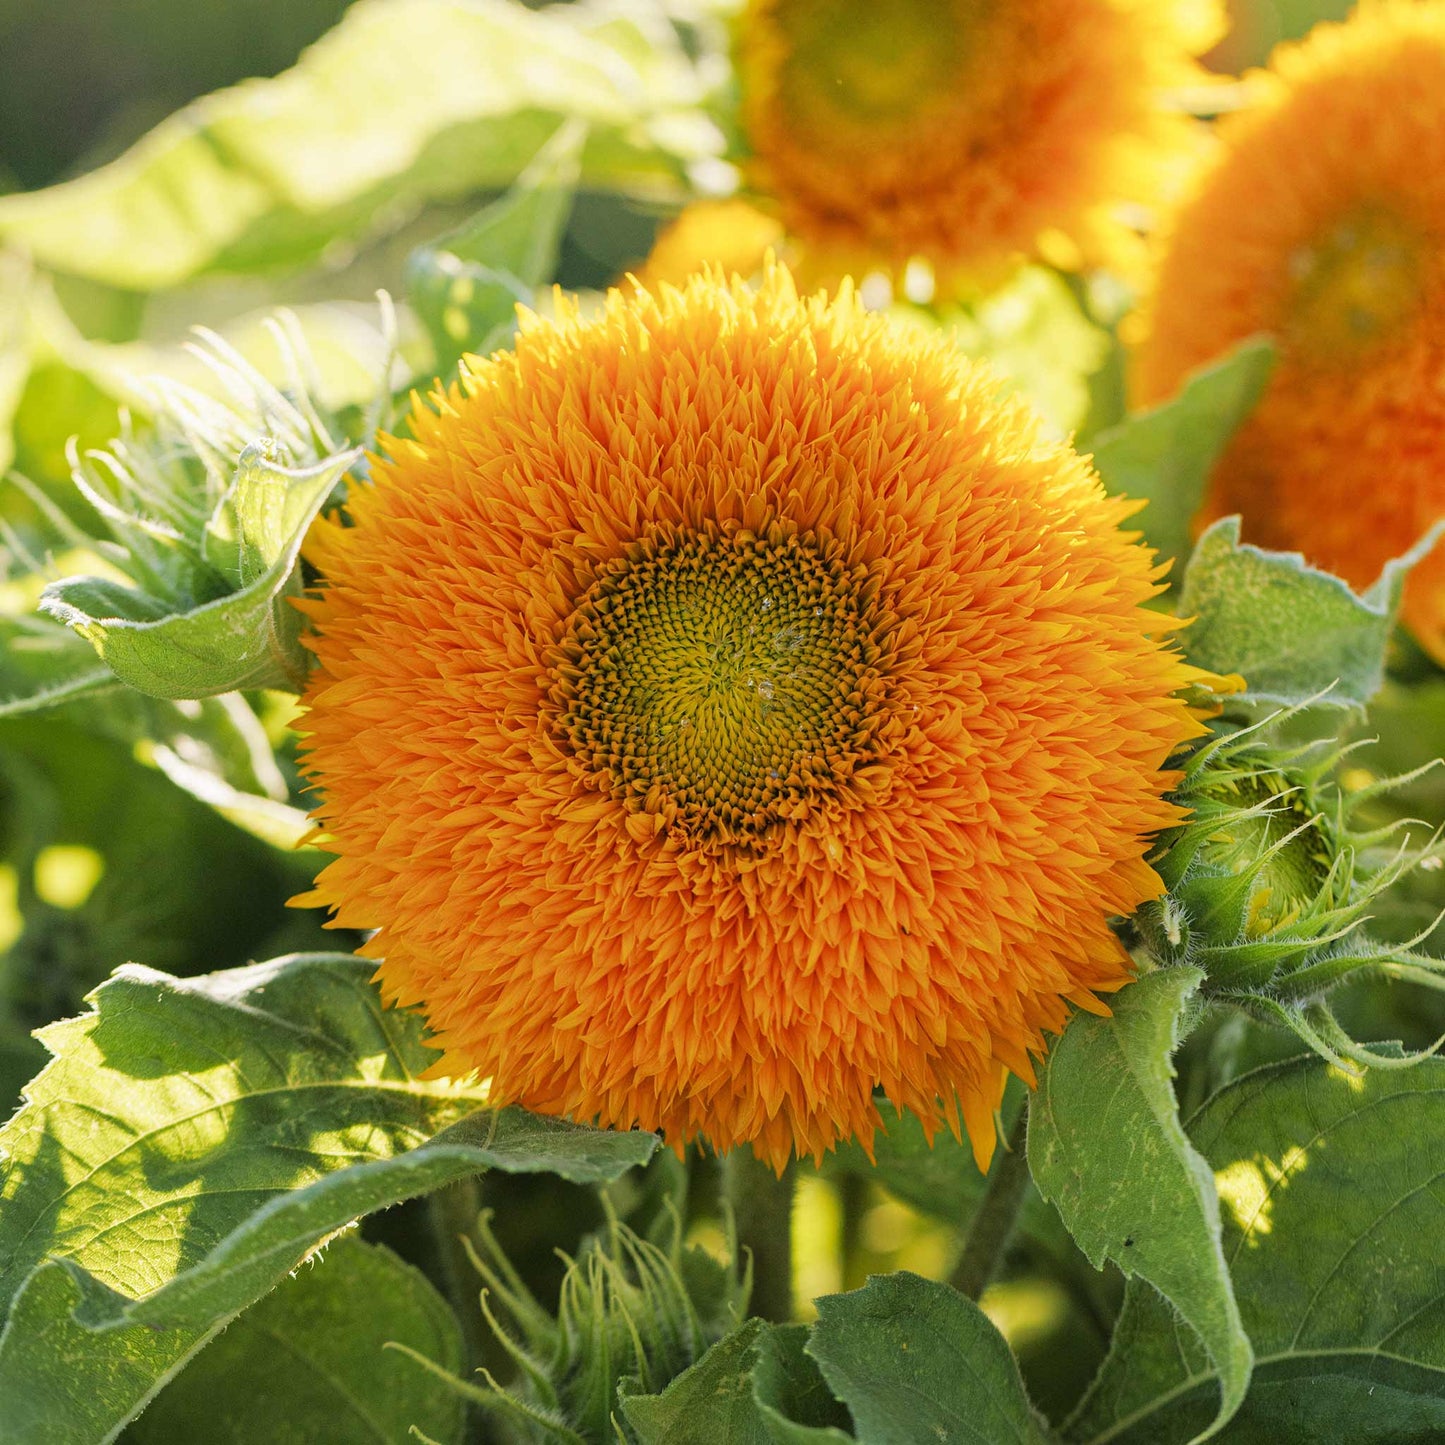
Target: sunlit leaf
[
  {"x": 1332, "y": 1220},
  {"x": 272, "y": 171},
  {"x": 466, "y": 285},
  {"x": 1164, "y": 456},
  {"x": 1035, "y": 333},
  {"x": 1107, "y": 1148},
  {"x": 192, "y": 1141},
  {"x": 14, "y": 349}
]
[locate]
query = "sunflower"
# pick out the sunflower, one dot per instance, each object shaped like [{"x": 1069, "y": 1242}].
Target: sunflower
[
  {"x": 1323, "y": 222},
  {"x": 726, "y": 704},
  {"x": 964, "y": 132}
]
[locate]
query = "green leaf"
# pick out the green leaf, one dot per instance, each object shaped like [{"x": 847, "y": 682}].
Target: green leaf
[
  {"x": 271, "y": 172},
  {"x": 1164, "y": 456},
  {"x": 214, "y": 748},
  {"x": 176, "y": 883},
  {"x": 310, "y": 1362},
  {"x": 1107, "y": 1148},
  {"x": 914, "y": 1360},
  {"x": 711, "y": 1403},
  {"x": 247, "y": 639},
  {"x": 1293, "y": 631},
  {"x": 796, "y": 1404},
  {"x": 1332, "y": 1223},
  {"x": 466, "y": 285},
  {"x": 193, "y": 1141}
]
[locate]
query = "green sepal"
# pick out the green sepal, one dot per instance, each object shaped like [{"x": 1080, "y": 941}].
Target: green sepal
[
  {"x": 632, "y": 1315},
  {"x": 206, "y": 509},
  {"x": 246, "y": 638}
]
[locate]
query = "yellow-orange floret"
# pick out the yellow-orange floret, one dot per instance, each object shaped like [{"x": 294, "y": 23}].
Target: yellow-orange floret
[
  {"x": 971, "y": 135},
  {"x": 1322, "y": 222},
  {"x": 726, "y": 704}
]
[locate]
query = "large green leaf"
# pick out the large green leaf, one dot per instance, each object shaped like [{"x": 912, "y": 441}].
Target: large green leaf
[
  {"x": 796, "y": 1404},
  {"x": 248, "y": 638},
  {"x": 1107, "y": 1148},
  {"x": 1293, "y": 631},
  {"x": 1164, "y": 456},
  {"x": 405, "y": 100},
  {"x": 710, "y": 1403},
  {"x": 310, "y": 1362},
  {"x": 192, "y": 1141},
  {"x": 914, "y": 1360},
  {"x": 1332, "y": 1226}
]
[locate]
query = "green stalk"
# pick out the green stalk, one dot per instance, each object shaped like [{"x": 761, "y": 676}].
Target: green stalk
[
  {"x": 452, "y": 1212},
  {"x": 762, "y": 1205},
  {"x": 993, "y": 1222}
]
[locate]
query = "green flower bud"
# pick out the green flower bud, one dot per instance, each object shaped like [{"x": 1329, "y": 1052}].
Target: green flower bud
[
  {"x": 1270, "y": 885},
  {"x": 630, "y": 1310}
]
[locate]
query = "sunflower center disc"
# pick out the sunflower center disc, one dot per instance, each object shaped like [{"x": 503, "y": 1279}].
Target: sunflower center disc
[
  {"x": 1353, "y": 286},
  {"x": 727, "y": 683},
  {"x": 861, "y": 61}
]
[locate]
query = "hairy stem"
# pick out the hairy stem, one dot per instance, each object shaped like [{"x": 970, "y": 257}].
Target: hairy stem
[
  {"x": 997, "y": 1213},
  {"x": 762, "y": 1206},
  {"x": 452, "y": 1212}
]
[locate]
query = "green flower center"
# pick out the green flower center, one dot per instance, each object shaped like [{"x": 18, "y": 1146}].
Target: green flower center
[
  {"x": 869, "y": 63},
  {"x": 726, "y": 683},
  {"x": 1354, "y": 286}
]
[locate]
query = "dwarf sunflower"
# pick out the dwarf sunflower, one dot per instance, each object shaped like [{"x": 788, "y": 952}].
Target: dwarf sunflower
[
  {"x": 726, "y": 704},
  {"x": 966, "y": 132},
  {"x": 1323, "y": 222}
]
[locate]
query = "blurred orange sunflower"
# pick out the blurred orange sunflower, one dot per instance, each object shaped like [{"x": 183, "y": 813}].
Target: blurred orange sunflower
[
  {"x": 726, "y": 704},
  {"x": 964, "y": 132},
  {"x": 1323, "y": 222}
]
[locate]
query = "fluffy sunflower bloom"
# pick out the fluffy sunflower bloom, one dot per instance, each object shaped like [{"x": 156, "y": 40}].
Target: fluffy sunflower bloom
[
  {"x": 1323, "y": 222},
  {"x": 726, "y": 704},
  {"x": 970, "y": 135}
]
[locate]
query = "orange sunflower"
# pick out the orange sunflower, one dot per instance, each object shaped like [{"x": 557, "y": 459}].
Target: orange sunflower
[
  {"x": 968, "y": 133},
  {"x": 726, "y": 704},
  {"x": 1323, "y": 222}
]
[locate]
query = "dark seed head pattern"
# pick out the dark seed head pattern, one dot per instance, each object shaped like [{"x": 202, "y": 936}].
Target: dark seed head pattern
[{"x": 728, "y": 683}]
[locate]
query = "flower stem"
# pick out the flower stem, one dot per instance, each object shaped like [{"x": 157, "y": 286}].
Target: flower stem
[
  {"x": 993, "y": 1222},
  {"x": 452, "y": 1212},
  {"x": 762, "y": 1205}
]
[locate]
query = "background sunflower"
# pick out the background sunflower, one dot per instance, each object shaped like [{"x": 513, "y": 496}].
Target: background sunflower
[{"x": 1339, "y": 253}]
